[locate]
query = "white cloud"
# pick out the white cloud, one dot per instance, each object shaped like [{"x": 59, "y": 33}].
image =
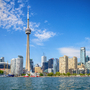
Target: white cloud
[
  {"x": 42, "y": 36},
  {"x": 32, "y": 45},
  {"x": 10, "y": 16},
  {"x": 45, "y": 21},
  {"x": 34, "y": 25},
  {"x": 69, "y": 52}
]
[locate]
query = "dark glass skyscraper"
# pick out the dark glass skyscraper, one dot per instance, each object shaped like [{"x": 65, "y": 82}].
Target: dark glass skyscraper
[
  {"x": 45, "y": 66},
  {"x": 50, "y": 63},
  {"x": 31, "y": 64},
  {"x": 83, "y": 55}
]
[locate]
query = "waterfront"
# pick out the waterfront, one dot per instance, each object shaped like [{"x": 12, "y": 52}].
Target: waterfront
[{"x": 45, "y": 83}]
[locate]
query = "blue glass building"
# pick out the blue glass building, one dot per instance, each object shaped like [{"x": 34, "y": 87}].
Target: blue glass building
[
  {"x": 87, "y": 59},
  {"x": 55, "y": 65},
  {"x": 45, "y": 66},
  {"x": 83, "y": 55}
]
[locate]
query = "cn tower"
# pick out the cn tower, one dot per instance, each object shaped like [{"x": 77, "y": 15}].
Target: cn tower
[{"x": 28, "y": 31}]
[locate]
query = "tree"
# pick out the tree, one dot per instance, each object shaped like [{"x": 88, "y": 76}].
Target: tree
[
  {"x": 1, "y": 72},
  {"x": 68, "y": 73},
  {"x": 41, "y": 74},
  {"x": 58, "y": 74},
  {"x": 50, "y": 74}
]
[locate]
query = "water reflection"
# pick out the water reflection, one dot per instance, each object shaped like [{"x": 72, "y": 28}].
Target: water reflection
[{"x": 47, "y": 83}]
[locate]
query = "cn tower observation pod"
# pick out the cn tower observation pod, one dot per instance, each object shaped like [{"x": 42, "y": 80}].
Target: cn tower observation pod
[{"x": 28, "y": 31}]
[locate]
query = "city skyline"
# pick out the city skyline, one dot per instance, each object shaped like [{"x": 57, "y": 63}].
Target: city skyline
[{"x": 58, "y": 28}]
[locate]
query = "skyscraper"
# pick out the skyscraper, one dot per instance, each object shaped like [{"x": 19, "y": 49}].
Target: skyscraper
[
  {"x": 28, "y": 31},
  {"x": 31, "y": 64},
  {"x": 17, "y": 65},
  {"x": 82, "y": 55},
  {"x": 63, "y": 64},
  {"x": 43, "y": 59},
  {"x": 55, "y": 65}
]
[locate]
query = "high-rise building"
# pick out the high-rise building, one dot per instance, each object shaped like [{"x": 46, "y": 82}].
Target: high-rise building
[
  {"x": 87, "y": 58},
  {"x": 43, "y": 59},
  {"x": 2, "y": 59},
  {"x": 28, "y": 31},
  {"x": 45, "y": 66},
  {"x": 63, "y": 64},
  {"x": 13, "y": 66},
  {"x": 17, "y": 65},
  {"x": 82, "y": 55},
  {"x": 50, "y": 63},
  {"x": 72, "y": 64},
  {"x": 31, "y": 64},
  {"x": 55, "y": 65}
]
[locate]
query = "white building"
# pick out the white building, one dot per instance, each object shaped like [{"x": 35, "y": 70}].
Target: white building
[
  {"x": 43, "y": 59},
  {"x": 13, "y": 66},
  {"x": 17, "y": 65}
]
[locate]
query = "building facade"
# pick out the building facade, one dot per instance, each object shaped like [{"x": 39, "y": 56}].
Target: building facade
[
  {"x": 50, "y": 63},
  {"x": 45, "y": 66},
  {"x": 83, "y": 55},
  {"x": 55, "y": 65},
  {"x": 43, "y": 59},
  {"x": 63, "y": 64},
  {"x": 31, "y": 65},
  {"x": 19, "y": 65},
  {"x": 38, "y": 70},
  {"x": 2, "y": 59},
  {"x": 72, "y": 64},
  {"x": 13, "y": 66}
]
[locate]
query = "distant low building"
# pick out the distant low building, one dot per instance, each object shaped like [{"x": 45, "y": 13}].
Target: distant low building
[
  {"x": 38, "y": 70},
  {"x": 81, "y": 68}
]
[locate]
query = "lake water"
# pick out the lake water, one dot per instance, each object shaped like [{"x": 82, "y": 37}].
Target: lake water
[{"x": 45, "y": 83}]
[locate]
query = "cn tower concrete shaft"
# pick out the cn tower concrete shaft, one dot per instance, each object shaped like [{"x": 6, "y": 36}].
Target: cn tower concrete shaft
[
  {"x": 28, "y": 31},
  {"x": 28, "y": 55}
]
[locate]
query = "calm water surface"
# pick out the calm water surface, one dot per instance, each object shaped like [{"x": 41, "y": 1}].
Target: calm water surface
[{"x": 45, "y": 83}]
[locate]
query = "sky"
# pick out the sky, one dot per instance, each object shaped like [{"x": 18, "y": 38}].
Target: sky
[{"x": 58, "y": 27}]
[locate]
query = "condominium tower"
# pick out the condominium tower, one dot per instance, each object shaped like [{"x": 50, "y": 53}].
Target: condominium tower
[
  {"x": 83, "y": 55},
  {"x": 72, "y": 63},
  {"x": 63, "y": 64}
]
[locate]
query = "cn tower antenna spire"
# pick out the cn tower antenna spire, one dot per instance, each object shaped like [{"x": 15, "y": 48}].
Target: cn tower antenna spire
[{"x": 28, "y": 17}]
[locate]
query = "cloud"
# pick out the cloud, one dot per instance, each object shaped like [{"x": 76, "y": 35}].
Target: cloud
[
  {"x": 32, "y": 45},
  {"x": 69, "y": 51},
  {"x": 10, "y": 16},
  {"x": 42, "y": 36},
  {"x": 34, "y": 25},
  {"x": 45, "y": 21}
]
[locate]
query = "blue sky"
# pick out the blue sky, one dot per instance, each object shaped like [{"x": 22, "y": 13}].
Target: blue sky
[{"x": 59, "y": 27}]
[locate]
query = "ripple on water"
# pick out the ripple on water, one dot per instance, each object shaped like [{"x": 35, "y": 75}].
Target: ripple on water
[{"x": 47, "y": 83}]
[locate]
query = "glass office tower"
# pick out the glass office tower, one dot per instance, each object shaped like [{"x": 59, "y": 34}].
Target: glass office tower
[
  {"x": 83, "y": 55},
  {"x": 55, "y": 65}
]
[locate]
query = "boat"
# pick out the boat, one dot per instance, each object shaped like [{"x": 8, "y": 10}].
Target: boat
[
  {"x": 3, "y": 75},
  {"x": 10, "y": 75},
  {"x": 26, "y": 75}
]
